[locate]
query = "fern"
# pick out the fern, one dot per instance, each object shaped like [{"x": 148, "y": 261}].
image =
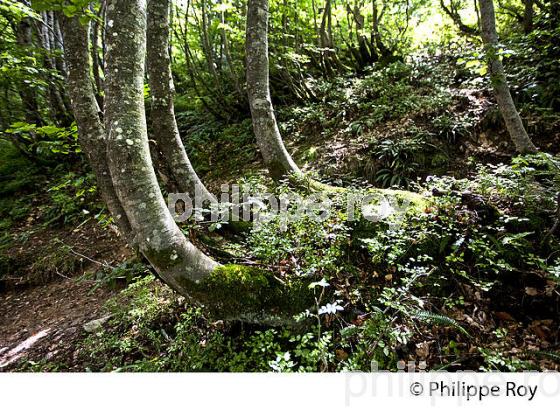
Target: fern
[
  {"x": 549, "y": 355},
  {"x": 441, "y": 320}
]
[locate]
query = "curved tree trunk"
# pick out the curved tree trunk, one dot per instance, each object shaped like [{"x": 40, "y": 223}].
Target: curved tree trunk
[
  {"x": 90, "y": 129},
  {"x": 269, "y": 140},
  {"x": 230, "y": 291},
  {"x": 165, "y": 130},
  {"x": 157, "y": 235},
  {"x": 276, "y": 157},
  {"x": 514, "y": 125}
]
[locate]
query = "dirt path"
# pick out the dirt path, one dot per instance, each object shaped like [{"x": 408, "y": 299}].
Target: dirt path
[
  {"x": 45, "y": 306},
  {"x": 43, "y": 322}
]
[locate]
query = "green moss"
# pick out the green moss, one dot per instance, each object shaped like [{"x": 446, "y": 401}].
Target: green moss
[
  {"x": 306, "y": 182},
  {"x": 240, "y": 226},
  {"x": 416, "y": 201},
  {"x": 248, "y": 293},
  {"x": 163, "y": 258}
]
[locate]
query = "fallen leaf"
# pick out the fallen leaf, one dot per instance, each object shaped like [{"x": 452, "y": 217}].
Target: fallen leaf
[
  {"x": 423, "y": 350},
  {"x": 504, "y": 316},
  {"x": 531, "y": 291},
  {"x": 341, "y": 354}
]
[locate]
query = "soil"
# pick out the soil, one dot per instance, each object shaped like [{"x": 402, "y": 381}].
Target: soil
[
  {"x": 43, "y": 322},
  {"x": 42, "y": 314}
]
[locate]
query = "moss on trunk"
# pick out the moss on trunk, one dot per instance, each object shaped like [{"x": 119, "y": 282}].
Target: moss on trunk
[{"x": 250, "y": 294}]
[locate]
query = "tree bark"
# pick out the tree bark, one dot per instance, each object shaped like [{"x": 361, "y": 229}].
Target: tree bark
[
  {"x": 528, "y": 14},
  {"x": 24, "y": 39},
  {"x": 164, "y": 124},
  {"x": 276, "y": 157},
  {"x": 453, "y": 13},
  {"x": 46, "y": 33},
  {"x": 158, "y": 237},
  {"x": 90, "y": 129},
  {"x": 96, "y": 68},
  {"x": 514, "y": 125}
]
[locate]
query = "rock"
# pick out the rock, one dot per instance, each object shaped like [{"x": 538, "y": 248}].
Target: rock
[{"x": 96, "y": 324}]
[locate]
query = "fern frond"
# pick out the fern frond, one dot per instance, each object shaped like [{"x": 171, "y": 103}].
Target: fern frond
[
  {"x": 437, "y": 319},
  {"x": 550, "y": 355}
]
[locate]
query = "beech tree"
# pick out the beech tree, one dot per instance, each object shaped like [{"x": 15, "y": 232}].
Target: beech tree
[
  {"x": 91, "y": 133},
  {"x": 119, "y": 152},
  {"x": 277, "y": 159},
  {"x": 155, "y": 232},
  {"x": 120, "y": 156},
  {"x": 514, "y": 124},
  {"x": 165, "y": 131}
]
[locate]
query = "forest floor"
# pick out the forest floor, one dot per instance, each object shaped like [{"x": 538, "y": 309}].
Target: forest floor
[
  {"x": 43, "y": 311},
  {"x": 60, "y": 263},
  {"x": 48, "y": 322},
  {"x": 45, "y": 319}
]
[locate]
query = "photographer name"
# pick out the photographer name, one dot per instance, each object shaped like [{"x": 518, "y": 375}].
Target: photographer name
[{"x": 479, "y": 392}]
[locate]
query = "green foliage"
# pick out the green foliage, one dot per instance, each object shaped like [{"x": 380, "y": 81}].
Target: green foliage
[
  {"x": 398, "y": 159},
  {"x": 441, "y": 320},
  {"x": 358, "y": 291},
  {"x": 17, "y": 10},
  {"x": 71, "y": 198},
  {"x": 377, "y": 289},
  {"x": 151, "y": 329},
  {"x": 48, "y": 142},
  {"x": 123, "y": 273},
  {"x": 496, "y": 361},
  {"x": 464, "y": 234},
  {"x": 210, "y": 141},
  {"x": 17, "y": 175},
  {"x": 534, "y": 67},
  {"x": 70, "y": 8},
  {"x": 58, "y": 260},
  {"x": 16, "y": 171},
  {"x": 384, "y": 93},
  {"x": 304, "y": 246},
  {"x": 396, "y": 90}
]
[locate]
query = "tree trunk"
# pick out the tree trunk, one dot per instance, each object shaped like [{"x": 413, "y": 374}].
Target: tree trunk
[
  {"x": 528, "y": 14},
  {"x": 276, "y": 157},
  {"x": 230, "y": 291},
  {"x": 165, "y": 130},
  {"x": 90, "y": 129},
  {"x": 61, "y": 65},
  {"x": 46, "y": 32},
  {"x": 24, "y": 39},
  {"x": 96, "y": 68},
  {"x": 157, "y": 235},
  {"x": 227, "y": 54},
  {"x": 514, "y": 125},
  {"x": 363, "y": 55},
  {"x": 207, "y": 47}
]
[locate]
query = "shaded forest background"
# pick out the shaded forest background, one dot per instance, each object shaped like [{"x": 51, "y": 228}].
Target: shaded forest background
[{"x": 367, "y": 94}]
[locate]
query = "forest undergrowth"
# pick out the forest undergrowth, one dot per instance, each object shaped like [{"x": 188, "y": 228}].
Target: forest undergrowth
[{"x": 469, "y": 282}]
